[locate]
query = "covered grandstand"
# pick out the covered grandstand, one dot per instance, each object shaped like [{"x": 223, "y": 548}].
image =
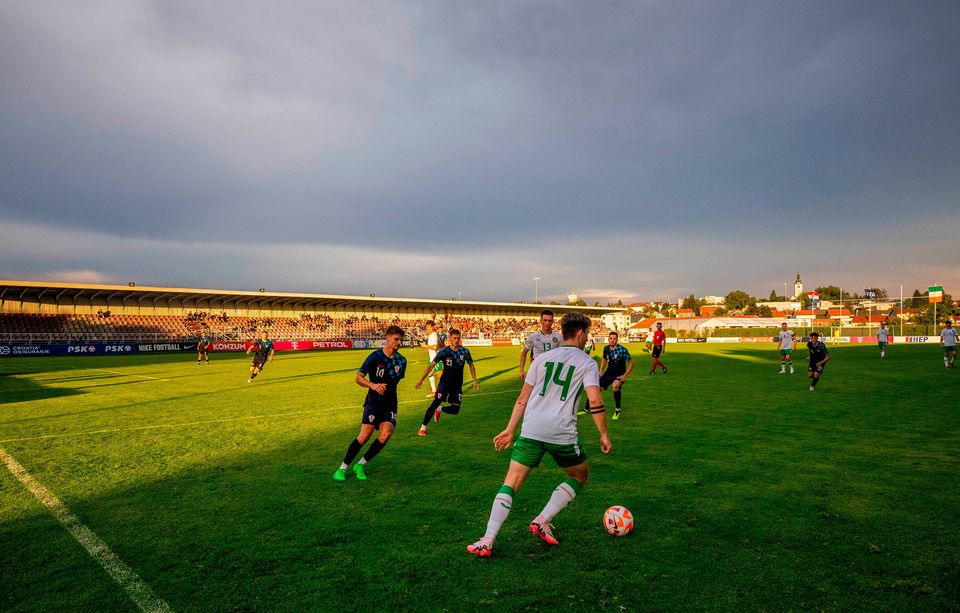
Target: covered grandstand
[{"x": 37, "y": 311}]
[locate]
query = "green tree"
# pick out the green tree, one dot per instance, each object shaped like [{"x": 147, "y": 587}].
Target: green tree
[
  {"x": 829, "y": 292},
  {"x": 773, "y": 296},
  {"x": 944, "y": 309},
  {"x": 692, "y": 302},
  {"x": 915, "y": 302},
  {"x": 578, "y": 302},
  {"x": 738, "y": 299}
]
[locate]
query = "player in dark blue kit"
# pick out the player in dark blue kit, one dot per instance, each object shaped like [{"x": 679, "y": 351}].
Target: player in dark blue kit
[
  {"x": 263, "y": 350},
  {"x": 380, "y": 374},
  {"x": 614, "y": 369},
  {"x": 450, "y": 389},
  {"x": 819, "y": 356}
]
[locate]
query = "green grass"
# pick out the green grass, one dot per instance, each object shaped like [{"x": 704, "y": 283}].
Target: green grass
[{"x": 750, "y": 493}]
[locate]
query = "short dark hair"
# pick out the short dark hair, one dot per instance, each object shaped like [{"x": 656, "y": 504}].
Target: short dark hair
[
  {"x": 814, "y": 334},
  {"x": 454, "y": 331},
  {"x": 430, "y": 322},
  {"x": 546, "y": 312},
  {"x": 614, "y": 333},
  {"x": 572, "y": 323},
  {"x": 394, "y": 330}
]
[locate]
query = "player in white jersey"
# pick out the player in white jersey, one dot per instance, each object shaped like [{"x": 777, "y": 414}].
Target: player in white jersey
[
  {"x": 548, "y": 406},
  {"x": 433, "y": 340},
  {"x": 540, "y": 342},
  {"x": 948, "y": 341},
  {"x": 883, "y": 338},
  {"x": 787, "y": 341}
]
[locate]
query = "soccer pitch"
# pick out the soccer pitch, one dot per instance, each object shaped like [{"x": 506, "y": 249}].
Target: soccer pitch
[{"x": 749, "y": 492}]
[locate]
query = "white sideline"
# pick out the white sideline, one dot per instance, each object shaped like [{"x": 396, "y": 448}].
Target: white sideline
[
  {"x": 216, "y": 421},
  {"x": 138, "y": 591}
]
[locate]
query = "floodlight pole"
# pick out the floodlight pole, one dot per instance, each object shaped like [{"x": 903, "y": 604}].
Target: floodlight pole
[
  {"x": 901, "y": 310},
  {"x": 536, "y": 290}
]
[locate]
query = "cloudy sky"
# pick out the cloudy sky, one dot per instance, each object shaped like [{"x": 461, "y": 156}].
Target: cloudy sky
[{"x": 619, "y": 149}]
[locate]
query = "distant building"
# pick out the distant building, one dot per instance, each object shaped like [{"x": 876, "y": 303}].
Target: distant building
[
  {"x": 779, "y": 306},
  {"x": 712, "y": 299},
  {"x": 797, "y": 288},
  {"x": 709, "y": 311},
  {"x": 616, "y": 321}
]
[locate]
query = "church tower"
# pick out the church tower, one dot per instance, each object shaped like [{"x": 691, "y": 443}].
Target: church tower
[{"x": 797, "y": 287}]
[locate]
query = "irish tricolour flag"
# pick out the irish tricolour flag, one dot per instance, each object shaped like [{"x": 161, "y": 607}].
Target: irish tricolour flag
[{"x": 936, "y": 293}]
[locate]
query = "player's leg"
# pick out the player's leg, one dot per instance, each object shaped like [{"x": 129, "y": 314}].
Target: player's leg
[
  {"x": 817, "y": 372},
  {"x": 790, "y": 360},
  {"x": 574, "y": 463},
  {"x": 386, "y": 431},
  {"x": 783, "y": 361},
  {"x": 430, "y": 413},
  {"x": 617, "y": 397},
  {"x": 454, "y": 400},
  {"x": 366, "y": 429},
  {"x": 527, "y": 458},
  {"x": 198, "y": 357}
]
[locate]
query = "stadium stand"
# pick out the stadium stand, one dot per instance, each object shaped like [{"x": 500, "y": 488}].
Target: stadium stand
[{"x": 31, "y": 316}]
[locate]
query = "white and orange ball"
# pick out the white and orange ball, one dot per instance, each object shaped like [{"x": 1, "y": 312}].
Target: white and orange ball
[{"x": 618, "y": 521}]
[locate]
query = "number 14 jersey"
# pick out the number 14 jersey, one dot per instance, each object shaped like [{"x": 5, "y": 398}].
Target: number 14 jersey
[{"x": 558, "y": 379}]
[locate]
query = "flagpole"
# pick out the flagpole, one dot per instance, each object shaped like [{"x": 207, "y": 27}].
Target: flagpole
[{"x": 901, "y": 310}]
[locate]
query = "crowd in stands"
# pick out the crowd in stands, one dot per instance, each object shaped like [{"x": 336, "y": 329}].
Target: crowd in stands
[{"x": 104, "y": 326}]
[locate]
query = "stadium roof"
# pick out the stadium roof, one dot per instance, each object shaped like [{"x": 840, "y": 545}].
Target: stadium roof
[{"x": 86, "y": 293}]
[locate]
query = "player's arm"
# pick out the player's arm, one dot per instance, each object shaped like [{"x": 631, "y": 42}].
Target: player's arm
[
  {"x": 624, "y": 376},
  {"x": 250, "y": 348},
  {"x": 270, "y": 356},
  {"x": 426, "y": 374},
  {"x": 523, "y": 362},
  {"x": 825, "y": 359},
  {"x": 505, "y": 438},
  {"x": 379, "y": 388},
  {"x": 603, "y": 365},
  {"x": 598, "y": 412},
  {"x": 473, "y": 373}
]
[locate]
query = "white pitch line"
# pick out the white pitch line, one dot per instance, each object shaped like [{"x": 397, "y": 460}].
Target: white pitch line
[
  {"x": 214, "y": 421},
  {"x": 138, "y": 591},
  {"x": 124, "y": 374}
]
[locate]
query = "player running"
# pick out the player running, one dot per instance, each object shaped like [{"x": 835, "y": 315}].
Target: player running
[
  {"x": 948, "y": 342},
  {"x": 432, "y": 345},
  {"x": 882, "y": 338},
  {"x": 380, "y": 373},
  {"x": 819, "y": 356},
  {"x": 787, "y": 341},
  {"x": 547, "y": 405},
  {"x": 263, "y": 351},
  {"x": 539, "y": 342},
  {"x": 450, "y": 390},
  {"x": 614, "y": 369},
  {"x": 648, "y": 341},
  {"x": 203, "y": 348},
  {"x": 659, "y": 344}
]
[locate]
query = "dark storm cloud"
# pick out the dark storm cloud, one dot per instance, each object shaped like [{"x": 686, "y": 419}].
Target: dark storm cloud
[{"x": 495, "y": 124}]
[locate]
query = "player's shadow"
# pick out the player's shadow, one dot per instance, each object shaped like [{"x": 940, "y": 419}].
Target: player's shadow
[
  {"x": 494, "y": 374},
  {"x": 17, "y": 390}
]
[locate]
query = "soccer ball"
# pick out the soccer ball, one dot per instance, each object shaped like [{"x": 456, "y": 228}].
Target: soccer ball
[{"x": 618, "y": 521}]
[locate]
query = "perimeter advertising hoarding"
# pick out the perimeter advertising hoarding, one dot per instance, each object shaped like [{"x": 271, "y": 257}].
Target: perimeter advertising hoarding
[
  {"x": 308, "y": 345},
  {"x": 44, "y": 349}
]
